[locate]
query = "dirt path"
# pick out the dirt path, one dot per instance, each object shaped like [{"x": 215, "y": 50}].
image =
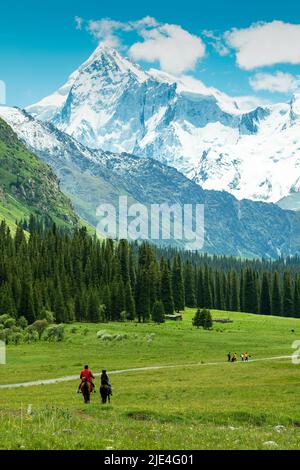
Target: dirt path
[{"x": 70, "y": 378}]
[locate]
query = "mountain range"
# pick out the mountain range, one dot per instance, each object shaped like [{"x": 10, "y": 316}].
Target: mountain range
[
  {"x": 112, "y": 104},
  {"x": 114, "y": 129},
  {"x": 90, "y": 177}
]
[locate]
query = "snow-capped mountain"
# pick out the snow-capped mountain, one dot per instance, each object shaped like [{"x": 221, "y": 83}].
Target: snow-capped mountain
[
  {"x": 112, "y": 104},
  {"x": 90, "y": 177}
]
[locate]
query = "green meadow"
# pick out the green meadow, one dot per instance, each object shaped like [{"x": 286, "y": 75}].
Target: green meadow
[{"x": 202, "y": 403}]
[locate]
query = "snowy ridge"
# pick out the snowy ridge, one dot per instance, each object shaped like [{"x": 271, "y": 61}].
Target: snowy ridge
[
  {"x": 112, "y": 104},
  {"x": 92, "y": 176}
]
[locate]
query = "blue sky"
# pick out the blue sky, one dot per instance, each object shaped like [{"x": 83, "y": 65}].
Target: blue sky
[{"x": 40, "y": 45}]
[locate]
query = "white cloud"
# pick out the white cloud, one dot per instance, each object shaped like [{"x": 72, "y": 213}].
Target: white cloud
[
  {"x": 216, "y": 42},
  {"x": 277, "y": 82},
  {"x": 107, "y": 31},
  {"x": 174, "y": 48},
  {"x": 78, "y": 22},
  {"x": 265, "y": 44},
  {"x": 248, "y": 103}
]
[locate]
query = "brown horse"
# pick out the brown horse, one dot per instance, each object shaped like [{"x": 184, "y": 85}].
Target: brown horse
[{"x": 86, "y": 390}]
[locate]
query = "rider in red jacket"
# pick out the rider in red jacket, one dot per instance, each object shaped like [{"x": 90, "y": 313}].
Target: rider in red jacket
[{"x": 86, "y": 374}]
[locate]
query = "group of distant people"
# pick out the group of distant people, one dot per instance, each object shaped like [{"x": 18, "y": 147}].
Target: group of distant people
[{"x": 234, "y": 357}]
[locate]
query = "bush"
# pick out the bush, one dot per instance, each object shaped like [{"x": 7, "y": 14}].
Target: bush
[
  {"x": 39, "y": 326},
  {"x": 106, "y": 337},
  {"x": 55, "y": 333},
  {"x": 16, "y": 338},
  {"x": 31, "y": 336},
  {"x": 9, "y": 323},
  {"x": 100, "y": 333},
  {"x": 47, "y": 315},
  {"x": 22, "y": 322},
  {"x": 120, "y": 337},
  {"x": 3, "y": 318}
]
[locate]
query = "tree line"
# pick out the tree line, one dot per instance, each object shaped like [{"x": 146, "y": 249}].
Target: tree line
[{"x": 78, "y": 277}]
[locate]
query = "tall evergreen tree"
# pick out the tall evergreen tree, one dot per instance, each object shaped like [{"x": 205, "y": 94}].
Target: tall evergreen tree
[
  {"x": 129, "y": 302},
  {"x": 288, "y": 301},
  {"x": 276, "y": 296},
  {"x": 265, "y": 296},
  {"x": 178, "y": 285},
  {"x": 166, "y": 289},
  {"x": 158, "y": 312}
]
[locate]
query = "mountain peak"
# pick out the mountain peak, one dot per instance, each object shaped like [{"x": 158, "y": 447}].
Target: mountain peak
[{"x": 107, "y": 58}]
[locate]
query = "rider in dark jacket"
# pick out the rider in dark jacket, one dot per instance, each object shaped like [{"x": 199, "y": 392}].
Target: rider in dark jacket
[{"x": 105, "y": 380}]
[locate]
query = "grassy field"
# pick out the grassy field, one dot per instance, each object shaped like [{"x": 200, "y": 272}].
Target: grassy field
[{"x": 195, "y": 406}]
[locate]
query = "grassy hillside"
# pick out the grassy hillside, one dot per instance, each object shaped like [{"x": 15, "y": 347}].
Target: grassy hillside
[
  {"x": 27, "y": 185},
  {"x": 205, "y": 403}
]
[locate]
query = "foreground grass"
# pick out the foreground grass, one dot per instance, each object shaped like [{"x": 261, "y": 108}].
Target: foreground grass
[{"x": 222, "y": 406}]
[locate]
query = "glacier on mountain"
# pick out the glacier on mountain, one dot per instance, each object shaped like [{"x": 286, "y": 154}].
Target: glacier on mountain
[{"x": 113, "y": 104}]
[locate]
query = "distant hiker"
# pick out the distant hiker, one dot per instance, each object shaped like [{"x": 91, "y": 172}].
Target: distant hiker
[
  {"x": 229, "y": 357},
  {"x": 86, "y": 375},
  {"x": 243, "y": 357},
  {"x": 234, "y": 357},
  {"x": 246, "y": 356}
]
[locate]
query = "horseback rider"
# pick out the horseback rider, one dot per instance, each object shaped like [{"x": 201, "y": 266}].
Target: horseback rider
[
  {"x": 104, "y": 379},
  {"x": 86, "y": 375}
]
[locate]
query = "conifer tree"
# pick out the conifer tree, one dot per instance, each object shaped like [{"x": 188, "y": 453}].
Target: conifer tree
[
  {"x": 288, "y": 301},
  {"x": 265, "y": 296},
  {"x": 158, "y": 312},
  {"x": 178, "y": 285},
  {"x": 234, "y": 293},
  {"x": 276, "y": 296},
  {"x": 129, "y": 302},
  {"x": 166, "y": 289},
  {"x": 208, "y": 322},
  {"x": 297, "y": 298}
]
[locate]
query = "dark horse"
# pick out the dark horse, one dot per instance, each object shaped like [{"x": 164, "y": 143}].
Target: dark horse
[
  {"x": 86, "y": 389},
  {"x": 105, "y": 392}
]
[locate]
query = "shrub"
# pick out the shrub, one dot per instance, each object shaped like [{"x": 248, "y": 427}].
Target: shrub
[
  {"x": 22, "y": 322},
  {"x": 16, "y": 338},
  {"x": 55, "y": 333},
  {"x": 120, "y": 337},
  {"x": 47, "y": 315},
  {"x": 39, "y": 326},
  {"x": 100, "y": 333},
  {"x": 10, "y": 323},
  {"x": 106, "y": 337},
  {"x": 3, "y": 318},
  {"x": 31, "y": 336}
]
